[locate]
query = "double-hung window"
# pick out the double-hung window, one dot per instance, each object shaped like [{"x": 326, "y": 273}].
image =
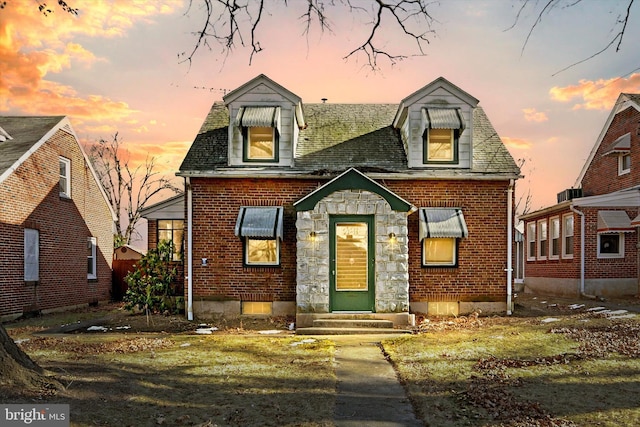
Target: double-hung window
[
  {"x": 261, "y": 230},
  {"x": 172, "y": 230},
  {"x": 554, "y": 235},
  {"x": 567, "y": 236},
  {"x": 260, "y": 133},
  {"x": 624, "y": 163},
  {"x": 440, "y": 232},
  {"x": 531, "y": 241},
  {"x": 442, "y": 128},
  {"x": 543, "y": 239},
  {"x": 65, "y": 177},
  {"x": 91, "y": 258}
]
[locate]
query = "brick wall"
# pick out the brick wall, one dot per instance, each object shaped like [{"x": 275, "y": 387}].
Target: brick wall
[
  {"x": 595, "y": 268},
  {"x": 482, "y": 256},
  {"x": 602, "y": 175},
  {"x": 29, "y": 198}
]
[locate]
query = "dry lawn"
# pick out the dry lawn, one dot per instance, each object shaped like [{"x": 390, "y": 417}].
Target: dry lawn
[{"x": 582, "y": 369}]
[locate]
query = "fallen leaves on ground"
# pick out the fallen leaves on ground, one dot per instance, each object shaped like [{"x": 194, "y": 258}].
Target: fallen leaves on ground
[{"x": 120, "y": 346}]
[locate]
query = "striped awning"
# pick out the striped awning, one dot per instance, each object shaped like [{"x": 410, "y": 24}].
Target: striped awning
[
  {"x": 258, "y": 116},
  {"x": 260, "y": 222},
  {"x": 442, "y": 118},
  {"x": 442, "y": 222},
  {"x": 614, "y": 222}
]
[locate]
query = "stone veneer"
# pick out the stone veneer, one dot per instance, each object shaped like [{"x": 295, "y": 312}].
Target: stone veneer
[{"x": 392, "y": 257}]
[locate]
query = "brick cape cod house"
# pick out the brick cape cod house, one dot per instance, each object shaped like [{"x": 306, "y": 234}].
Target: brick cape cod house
[
  {"x": 317, "y": 209},
  {"x": 56, "y": 224},
  {"x": 587, "y": 244}
]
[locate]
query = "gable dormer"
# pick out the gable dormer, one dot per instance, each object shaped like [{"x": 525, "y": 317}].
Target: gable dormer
[
  {"x": 264, "y": 121},
  {"x": 436, "y": 126}
]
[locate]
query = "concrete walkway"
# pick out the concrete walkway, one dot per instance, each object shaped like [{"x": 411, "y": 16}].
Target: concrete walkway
[{"x": 369, "y": 393}]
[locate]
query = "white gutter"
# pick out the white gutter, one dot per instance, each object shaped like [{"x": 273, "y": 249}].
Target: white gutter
[
  {"x": 509, "y": 245},
  {"x": 582, "y": 254},
  {"x": 189, "y": 250}
]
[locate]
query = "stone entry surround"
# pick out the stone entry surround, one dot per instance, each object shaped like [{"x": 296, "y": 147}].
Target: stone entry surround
[{"x": 392, "y": 256}]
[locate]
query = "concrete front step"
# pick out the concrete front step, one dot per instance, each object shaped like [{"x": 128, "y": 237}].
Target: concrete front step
[
  {"x": 352, "y": 323},
  {"x": 326, "y": 326},
  {"x": 348, "y": 331}
]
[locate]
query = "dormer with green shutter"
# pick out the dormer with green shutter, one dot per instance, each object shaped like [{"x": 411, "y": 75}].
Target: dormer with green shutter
[
  {"x": 436, "y": 126},
  {"x": 264, "y": 122}
]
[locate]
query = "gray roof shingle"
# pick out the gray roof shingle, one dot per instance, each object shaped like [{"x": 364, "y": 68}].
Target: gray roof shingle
[
  {"x": 25, "y": 131},
  {"x": 340, "y": 136}
]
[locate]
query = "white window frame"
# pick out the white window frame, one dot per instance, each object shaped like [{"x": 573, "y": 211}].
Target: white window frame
[
  {"x": 92, "y": 243},
  {"x": 565, "y": 235},
  {"x": 66, "y": 191},
  {"x": 619, "y": 254},
  {"x": 621, "y": 167},
  {"x": 531, "y": 241},
  {"x": 543, "y": 239},
  {"x": 554, "y": 234},
  {"x": 31, "y": 255}
]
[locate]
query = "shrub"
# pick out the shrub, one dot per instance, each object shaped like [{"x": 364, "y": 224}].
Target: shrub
[{"x": 151, "y": 283}]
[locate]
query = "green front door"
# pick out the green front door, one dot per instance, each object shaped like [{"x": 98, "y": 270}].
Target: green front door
[{"x": 352, "y": 255}]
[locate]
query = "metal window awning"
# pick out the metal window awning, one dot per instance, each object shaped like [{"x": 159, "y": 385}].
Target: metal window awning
[
  {"x": 442, "y": 118},
  {"x": 636, "y": 222},
  {"x": 614, "y": 222},
  {"x": 621, "y": 145},
  {"x": 442, "y": 222},
  {"x": 258, "y": 116},
  {"x": 260, "y": 222}
]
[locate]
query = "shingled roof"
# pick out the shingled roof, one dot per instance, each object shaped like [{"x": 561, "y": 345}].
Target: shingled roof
[
  {"x": 340, "y": 136},
  {"x": 24, "y": 132}
]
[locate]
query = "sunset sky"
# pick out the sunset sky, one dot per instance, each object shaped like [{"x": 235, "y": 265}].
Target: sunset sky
[{"x": 116, "y": 67}]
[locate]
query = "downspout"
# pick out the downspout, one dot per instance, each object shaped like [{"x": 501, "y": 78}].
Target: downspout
[
  {"x": 509, "y": 245},
  {"x": 189, "y": 251},
  {"x": 582, "y": 254}
]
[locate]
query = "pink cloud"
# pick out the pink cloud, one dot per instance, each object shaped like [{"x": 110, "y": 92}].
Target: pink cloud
[
  {"x": 596, "y": 94},
  {"x": 517, "y": 143},
  {"x": 532, "y": 115}
]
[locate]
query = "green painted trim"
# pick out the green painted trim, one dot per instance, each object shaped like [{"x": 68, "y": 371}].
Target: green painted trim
[
  {"x": 359, "y": 300},
  {"x": 352, "y": 180}
]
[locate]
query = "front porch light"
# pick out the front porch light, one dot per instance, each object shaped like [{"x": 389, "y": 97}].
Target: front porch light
[
  {"x": 312, "y": 236},
  {"x": 392, "y": 237}
]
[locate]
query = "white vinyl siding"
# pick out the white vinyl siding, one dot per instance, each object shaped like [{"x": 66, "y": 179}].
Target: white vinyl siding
[{"x": 263, "y": 96}]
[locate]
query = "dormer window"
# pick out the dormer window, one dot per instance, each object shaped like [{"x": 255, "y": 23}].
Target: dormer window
[
  {"x": 260, "y": 133},
  {"x": 442, "y": 128}
]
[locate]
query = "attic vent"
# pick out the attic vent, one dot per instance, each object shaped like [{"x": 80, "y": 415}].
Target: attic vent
[
  {"x": 4, "y": 135},
  {"x": 67, "y": 128},
  {"x": 569, "y": 194}
]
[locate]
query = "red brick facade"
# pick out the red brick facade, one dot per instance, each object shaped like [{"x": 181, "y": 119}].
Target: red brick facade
[
  {"x": 480, "y": 275},
  {"x": 601, "y": 176},
  {"x": 602, "y": 191},
  {"x": 29, "y": 198}
]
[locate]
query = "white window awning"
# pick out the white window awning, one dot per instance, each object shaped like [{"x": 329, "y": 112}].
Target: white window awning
[
  {"x": 260, "y": 222},
  {"x": 442, "y": 118},
  {"x": 258, "y": 116},
  {"x": 442, "y": 222},
  {"x": 621, "y": 145},
  {"x": 614, "y": 222}
]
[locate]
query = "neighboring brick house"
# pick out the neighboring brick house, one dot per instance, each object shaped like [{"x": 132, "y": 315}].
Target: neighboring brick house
[
  {"x": 56, "y": 224},
  {"x": 319, "y": 209},
  {"x": 587, "y": 243},
  {"x": 165, "y": 221}
]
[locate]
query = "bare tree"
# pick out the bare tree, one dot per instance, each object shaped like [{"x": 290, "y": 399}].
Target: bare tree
[
  {"x": 128, "y": 188},
  {"x": 233, "y": 23},
  {"x": 542, "y": 9}
]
